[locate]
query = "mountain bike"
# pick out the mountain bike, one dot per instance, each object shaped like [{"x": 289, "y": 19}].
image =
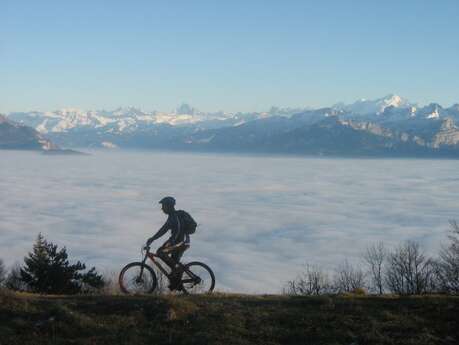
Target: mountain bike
[{"x": 138, "y": 277}]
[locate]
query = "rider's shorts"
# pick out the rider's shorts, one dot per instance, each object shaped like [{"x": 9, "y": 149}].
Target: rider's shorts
[{"x": 178, "y": 246}]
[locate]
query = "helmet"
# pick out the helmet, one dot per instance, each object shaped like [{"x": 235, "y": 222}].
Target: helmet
[{"x": 167, "y": 201}]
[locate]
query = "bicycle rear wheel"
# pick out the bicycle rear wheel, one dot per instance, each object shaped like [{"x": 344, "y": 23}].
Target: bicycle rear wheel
[
  {"x": 197, "y": 278},
  {"x": 135, "y": 280}
]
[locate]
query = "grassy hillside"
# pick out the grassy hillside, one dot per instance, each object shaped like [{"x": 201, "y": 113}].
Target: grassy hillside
[{"x": 227, "y": 319}]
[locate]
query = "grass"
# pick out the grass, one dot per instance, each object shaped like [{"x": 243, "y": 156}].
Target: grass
[{"x": 227, "y": 319}]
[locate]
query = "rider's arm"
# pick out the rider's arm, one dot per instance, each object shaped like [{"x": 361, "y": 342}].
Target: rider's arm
[{"x": 160, "y": 232}]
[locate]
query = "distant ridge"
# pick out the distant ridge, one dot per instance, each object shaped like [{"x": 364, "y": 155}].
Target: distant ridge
[{"x": 390, "y": 125}]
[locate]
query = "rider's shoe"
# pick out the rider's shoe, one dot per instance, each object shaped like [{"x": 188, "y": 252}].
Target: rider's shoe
[{"x": 174, "y": 284}]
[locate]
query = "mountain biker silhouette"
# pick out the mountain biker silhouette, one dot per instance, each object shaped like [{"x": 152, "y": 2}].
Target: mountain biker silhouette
[{"x": 172, "y": 250}]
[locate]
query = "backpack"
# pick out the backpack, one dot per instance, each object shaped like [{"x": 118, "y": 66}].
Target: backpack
[{"x": 187, "y": 223}]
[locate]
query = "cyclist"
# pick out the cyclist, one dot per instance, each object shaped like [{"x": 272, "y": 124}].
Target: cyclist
[{"x": 179, "y": 241}]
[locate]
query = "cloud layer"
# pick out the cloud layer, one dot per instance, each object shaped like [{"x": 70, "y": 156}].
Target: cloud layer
[{"x": 261, "y": 218}]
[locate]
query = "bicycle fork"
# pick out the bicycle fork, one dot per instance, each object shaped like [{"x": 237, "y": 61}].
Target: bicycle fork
[{"x": 141, "y": 268}]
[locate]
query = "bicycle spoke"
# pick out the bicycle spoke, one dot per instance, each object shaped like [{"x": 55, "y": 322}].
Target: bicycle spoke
[
  {"x": 134, "y": 279},
  {"x": 197, "y": 279}
]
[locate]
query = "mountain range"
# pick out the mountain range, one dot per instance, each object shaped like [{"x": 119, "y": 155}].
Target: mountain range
[{"x": 390, "y": 126}]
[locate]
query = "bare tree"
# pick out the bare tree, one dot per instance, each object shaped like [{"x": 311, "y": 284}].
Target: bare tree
[
  {"x": 448, "y": 263},
  {"x": 348, "y": 278},
  {"x": 375, "y": 256},
  {"x": 313, "y": 281},
  {"x": 409, "y": 271},
  {"x": 2, "y": 273}
]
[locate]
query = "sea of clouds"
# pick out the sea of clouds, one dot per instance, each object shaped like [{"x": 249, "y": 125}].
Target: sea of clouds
[{"x": 261, "y": 218}]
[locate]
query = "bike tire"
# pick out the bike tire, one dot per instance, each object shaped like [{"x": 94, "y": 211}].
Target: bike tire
[
  {"x": 131, "y": 268},
  {"x": 195, "y": 267}
]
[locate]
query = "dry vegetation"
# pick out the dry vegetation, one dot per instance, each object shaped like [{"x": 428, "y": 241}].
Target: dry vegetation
[{"x": 227, "y": 319}]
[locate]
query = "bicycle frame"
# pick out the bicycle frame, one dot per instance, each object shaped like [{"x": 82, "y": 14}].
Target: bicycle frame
[{"x": 153, "y": 257}]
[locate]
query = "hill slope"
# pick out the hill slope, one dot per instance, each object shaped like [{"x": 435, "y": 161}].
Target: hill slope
[
  {"x": 218, "y": 319},
  {"x": 19, "y": 137}
]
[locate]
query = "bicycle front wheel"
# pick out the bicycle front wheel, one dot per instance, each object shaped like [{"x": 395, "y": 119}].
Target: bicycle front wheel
[
  {"x": 137, "y": 278},
  {"x": 197, "y": 278}
]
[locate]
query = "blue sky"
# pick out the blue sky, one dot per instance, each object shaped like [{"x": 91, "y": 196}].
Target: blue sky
[{"x": 225, "y": 55}]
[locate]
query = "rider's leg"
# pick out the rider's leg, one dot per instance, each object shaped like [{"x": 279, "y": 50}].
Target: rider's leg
[
  {"x": 176, "y": 273},
  {"x": 177, "y": 255},
  {"x": 165, "y": 254},
  {"x": 171, "y": 254}
]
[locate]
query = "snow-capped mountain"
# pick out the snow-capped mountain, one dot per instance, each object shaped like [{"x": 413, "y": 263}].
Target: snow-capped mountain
[
  {"x": 121, "y": 119},
  {"x": 391, "y": 108},
  {"x": 394, "y": 110},
  {"x": 390, "y": 122},
  {"x": 377, "y": 106}
]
